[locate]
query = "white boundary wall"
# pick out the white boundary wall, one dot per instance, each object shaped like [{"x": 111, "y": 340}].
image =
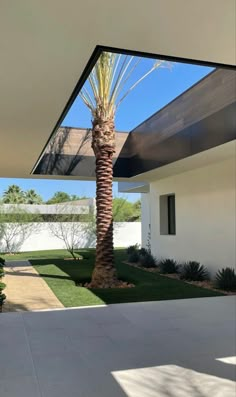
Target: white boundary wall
[{"x": 125, "y": 234}]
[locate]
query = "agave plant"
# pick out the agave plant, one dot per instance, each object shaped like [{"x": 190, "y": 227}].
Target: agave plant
[
  {"x": 133, "y": 257},
  {"x": 106, "y": 88},
  {"x": 226, "y": 279},
  {"x": 147, "y": 260},
  {"x": 143, "y": 251},
  {"x": 168, "y": 266},
  {"x": 194, "y": 271},
  {"x": 131, "y": 249}
]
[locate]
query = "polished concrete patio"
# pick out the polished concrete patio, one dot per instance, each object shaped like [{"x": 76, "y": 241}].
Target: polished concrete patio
[{"x": 183, "y": 348}]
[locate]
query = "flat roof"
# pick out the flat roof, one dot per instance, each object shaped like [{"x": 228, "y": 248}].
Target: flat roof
[{"x": 45, "y": 50}]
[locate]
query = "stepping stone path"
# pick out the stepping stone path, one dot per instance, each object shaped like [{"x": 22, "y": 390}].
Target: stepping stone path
[{"x": 26, "y": 290}]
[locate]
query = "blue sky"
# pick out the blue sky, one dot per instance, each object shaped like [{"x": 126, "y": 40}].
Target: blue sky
[{"x": 158, "y": 89}]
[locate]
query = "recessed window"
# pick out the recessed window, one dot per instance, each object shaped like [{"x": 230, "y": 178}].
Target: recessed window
[{"x": 167, "y": 214}]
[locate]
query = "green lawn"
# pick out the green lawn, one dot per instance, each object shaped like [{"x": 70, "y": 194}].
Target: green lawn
[{"x": 62, "y": 275}]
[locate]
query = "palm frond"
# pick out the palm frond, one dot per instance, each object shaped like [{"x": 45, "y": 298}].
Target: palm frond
[
  {"x": 122, "y": 72},
  {"x": 129, "y": 74},
  {"x": 86, "y": 100},
  {"x": 156, "y": 65},
  {"x": 116, "y": 64},
  {"x": 109, "y": 78},
  {"x": 93, "y": 84}
]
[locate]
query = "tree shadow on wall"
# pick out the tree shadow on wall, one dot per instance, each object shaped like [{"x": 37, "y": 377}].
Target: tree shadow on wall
[{"x": 56, "y": 159}]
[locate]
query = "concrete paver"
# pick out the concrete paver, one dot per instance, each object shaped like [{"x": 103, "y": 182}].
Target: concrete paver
[
  {"x": 182, "y": 348},
  {"x": 26, "y": 290}
]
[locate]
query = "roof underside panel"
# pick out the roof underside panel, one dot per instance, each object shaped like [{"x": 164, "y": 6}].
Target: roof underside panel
[
  {"x": 69, "y": 153},
  {"x": 200, "y": 119},
  {"x": 45, "y": 47}
]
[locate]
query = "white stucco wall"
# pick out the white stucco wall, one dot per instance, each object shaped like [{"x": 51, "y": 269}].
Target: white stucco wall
[
  {"x": 205, "y": 215},
  {"x": 125, "y": 234},
  {"x": 145, "y": 217}
]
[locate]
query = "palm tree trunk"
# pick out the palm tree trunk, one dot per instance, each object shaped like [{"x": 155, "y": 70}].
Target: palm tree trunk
[{"x": 104, "y": 274}]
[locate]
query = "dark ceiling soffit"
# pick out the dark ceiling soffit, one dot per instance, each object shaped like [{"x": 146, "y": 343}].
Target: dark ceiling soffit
[
  {"x": 92, "y": 61},
  {"x": 198, "y": 137}
]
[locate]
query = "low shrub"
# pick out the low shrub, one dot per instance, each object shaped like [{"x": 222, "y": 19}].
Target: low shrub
[
  {"x": 226, "y": 279},
  {"x": 143, "y": 251},
  {"x": 131, "y": 249},
  {"x": 2, "y": 286},
  {"x": 2, "y": 262},
  {"x": 147, "y": 260},
  {"x": 133, "y": 257},
  {"x": 2, "y": 299},
  {"x": 194, "y": 271},
  {"x": 168, "y": 266}
]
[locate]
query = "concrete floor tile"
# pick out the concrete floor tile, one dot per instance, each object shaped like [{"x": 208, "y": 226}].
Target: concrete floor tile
[
  {"x": 48, "y": 341},
  {"x": 23, "y": 386},
  {"x": 15, "y": 362},
  {"x": 58, "y": 366},
  {"x": 107, "y": 352}
]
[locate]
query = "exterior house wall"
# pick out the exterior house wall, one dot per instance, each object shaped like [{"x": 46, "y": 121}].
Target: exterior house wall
[
  {"x": 205, "y": 202},
  {"x": 145, "y": 217}
]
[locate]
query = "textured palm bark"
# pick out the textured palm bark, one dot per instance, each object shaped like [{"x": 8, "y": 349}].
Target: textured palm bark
[{"x": 103, "y": 143}]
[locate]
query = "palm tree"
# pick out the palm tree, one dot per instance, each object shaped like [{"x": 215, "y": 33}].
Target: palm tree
[
  {"x": 105, "y": 90},
  {"x": 59, "y": 197},
  {"x": 13, "y": 195},
  {"x": 31, "y": 197}
]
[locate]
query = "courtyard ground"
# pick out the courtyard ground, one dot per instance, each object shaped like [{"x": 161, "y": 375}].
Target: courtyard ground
[
  {"x": 63, "y": 275},
  {"x": 177, "y": 348}
]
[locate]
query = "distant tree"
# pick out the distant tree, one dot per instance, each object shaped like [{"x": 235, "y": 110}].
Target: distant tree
[
  {"x": 72, "y": 232},
  {"x": 13, "y": 195},
  {"x": 74, "y": 197},
  {"x": 122, "y": 209},
  {"x": 63, "y": 197},
  {"x": 125, "y": 211},
  {"x": 137, "y": 211},
  {"x": 59, "y": 197},
  {"x": 31, "y": 197},
  {"x": 16, "y": 226}
]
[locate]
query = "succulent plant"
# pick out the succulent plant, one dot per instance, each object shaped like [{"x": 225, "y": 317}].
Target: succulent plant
[
  {"x": 131, "y": 249},
  {"x": 147, "y": 260},
  {"x": 168, "y": 266},
  {"x": 133, "y": 257},
  {"x": 194, "y": 271},
  {"x": 226, "y": 279}
]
